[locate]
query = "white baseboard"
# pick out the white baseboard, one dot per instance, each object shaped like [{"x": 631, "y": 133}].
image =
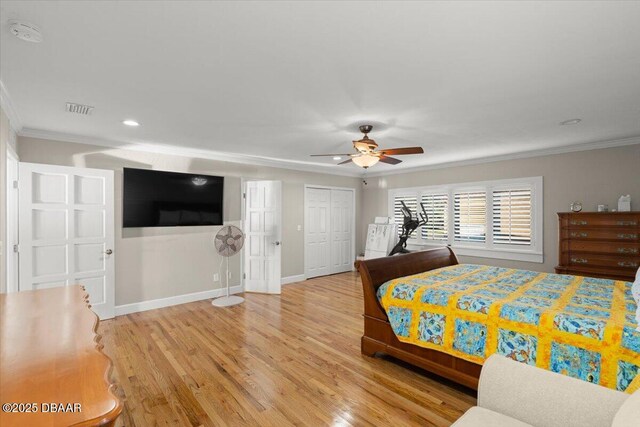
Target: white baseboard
[
  {"x": 292, "y": 279},
  {"x": 121, "y": 310}
]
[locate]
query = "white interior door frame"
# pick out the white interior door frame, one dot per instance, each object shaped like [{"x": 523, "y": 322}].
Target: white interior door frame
[
  {"x": 11, "y": 256},
  {"x": 353, "y": 219}
]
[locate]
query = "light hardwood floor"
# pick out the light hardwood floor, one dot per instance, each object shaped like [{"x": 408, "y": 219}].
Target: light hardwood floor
[{"x": 292, "y": 359}]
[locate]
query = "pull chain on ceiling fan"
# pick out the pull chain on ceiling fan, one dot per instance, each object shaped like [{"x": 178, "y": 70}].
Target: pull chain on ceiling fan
[{"x": 367, "y": 152}]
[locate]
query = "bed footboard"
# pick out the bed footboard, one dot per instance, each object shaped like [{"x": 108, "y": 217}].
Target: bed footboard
[
  {"x": 379, "y": 337},
  {"x": 375, "y": 272}
]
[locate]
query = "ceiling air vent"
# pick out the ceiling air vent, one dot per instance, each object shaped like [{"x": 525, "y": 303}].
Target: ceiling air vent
[{"x": 85, "y": 110}]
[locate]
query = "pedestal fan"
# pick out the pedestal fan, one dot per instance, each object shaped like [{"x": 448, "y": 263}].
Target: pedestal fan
[{"x": 228, "y": 242}]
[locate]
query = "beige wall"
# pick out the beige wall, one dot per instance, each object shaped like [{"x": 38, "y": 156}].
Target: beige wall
[
  {"x": 593, "y": 177},
  {"x": 162, "y": 262},
  {"x": 7, "y": 140},
  {"x": 4, "y": 140}
]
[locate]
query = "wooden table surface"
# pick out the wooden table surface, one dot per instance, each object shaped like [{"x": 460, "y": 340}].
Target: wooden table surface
[{"x": 50, "y": 355}]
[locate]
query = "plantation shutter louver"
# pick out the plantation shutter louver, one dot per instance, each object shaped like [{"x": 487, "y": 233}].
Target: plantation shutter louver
[
  {"x": 511, "y": 218},
  {"x": 436, "y": 207},
  {"x": 398, "y": 218},
  {"x": 470, "y": 210}
]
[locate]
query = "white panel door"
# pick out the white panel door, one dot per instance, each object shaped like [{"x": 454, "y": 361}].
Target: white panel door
[
  {"x": 67, "y": 231},
  {"x": 263, "y": 231},
  {"x": 317, "y": 232},
  {"x": 342, "y": 256}
]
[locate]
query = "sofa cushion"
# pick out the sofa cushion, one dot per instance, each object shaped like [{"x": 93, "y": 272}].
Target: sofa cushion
[
  {"x": 543, "y": 398},
  {"x": 481, "y": 417},
  {"x": 629, "y": 413}
]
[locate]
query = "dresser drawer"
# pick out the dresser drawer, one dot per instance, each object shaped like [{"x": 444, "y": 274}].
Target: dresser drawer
[
  {"x": 612, "y": 261},
  {"x": 620, "y": 248},
  {"x": 599, "y": 220},
  {"x": 605, "y": 273},
  {"x": 622, "y": 234}
]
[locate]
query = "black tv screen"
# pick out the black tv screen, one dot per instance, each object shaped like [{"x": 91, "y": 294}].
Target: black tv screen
[{"x": 168, "y": 199}]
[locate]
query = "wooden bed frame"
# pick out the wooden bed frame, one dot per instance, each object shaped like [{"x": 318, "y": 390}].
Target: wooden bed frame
[{"x": 378, "y": 335}]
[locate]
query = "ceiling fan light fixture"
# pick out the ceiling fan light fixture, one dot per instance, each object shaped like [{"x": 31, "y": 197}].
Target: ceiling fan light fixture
[
  {"x": 366, "y": 161},
  {"x": 368, "y": 154}
]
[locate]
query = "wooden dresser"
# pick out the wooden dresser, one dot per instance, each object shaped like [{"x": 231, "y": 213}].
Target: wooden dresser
[
  {"x": 599, "y": 244},
  {"x": 52, "y": 369}
]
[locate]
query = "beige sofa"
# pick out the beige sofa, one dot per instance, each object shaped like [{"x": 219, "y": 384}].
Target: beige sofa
[{"x": 513, "y": 394}]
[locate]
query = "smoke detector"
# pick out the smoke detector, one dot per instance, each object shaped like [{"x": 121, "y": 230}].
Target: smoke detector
[
  {"x": 25, "y": 31},
  {"x": 85, "y": 110}
]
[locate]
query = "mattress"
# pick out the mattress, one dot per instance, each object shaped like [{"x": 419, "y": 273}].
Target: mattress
[{"x": 577, "y": 326}]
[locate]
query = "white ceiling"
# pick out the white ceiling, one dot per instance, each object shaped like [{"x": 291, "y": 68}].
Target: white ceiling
[{"x": 285, "y": 80}]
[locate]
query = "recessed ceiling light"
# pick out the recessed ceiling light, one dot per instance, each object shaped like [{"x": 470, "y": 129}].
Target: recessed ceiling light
[
  {"x": 337, "y": 158},
  {"x": 570, "y": 122},
  {"x": 130, "y": 123}
]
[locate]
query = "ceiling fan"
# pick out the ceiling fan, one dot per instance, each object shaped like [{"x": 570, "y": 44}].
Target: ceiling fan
[{"x": 367, "y": 153}]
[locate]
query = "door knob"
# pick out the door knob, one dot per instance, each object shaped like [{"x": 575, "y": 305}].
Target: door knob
[
  {"x": 277, "y": 243},
  {"x": 108, "y": 252}
]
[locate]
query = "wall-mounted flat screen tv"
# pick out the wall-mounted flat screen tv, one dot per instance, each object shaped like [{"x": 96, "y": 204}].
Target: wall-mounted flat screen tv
[{"x": 169, "y": 199}]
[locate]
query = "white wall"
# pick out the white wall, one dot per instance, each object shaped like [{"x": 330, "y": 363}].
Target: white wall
[
  {"x": 156, "y": 263},
  {"x": 593, "y": 177}
]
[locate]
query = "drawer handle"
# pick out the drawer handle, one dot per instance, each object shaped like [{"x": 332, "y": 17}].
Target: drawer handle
[
  {"x": 579, "y": 261},
  {"x": 627, "y": 222},
  {"x": 576, "y": 234},
  {"x": 628, "y": 250},
  {"x": 627, "y": 264},
  {"x": 627, "y": 236},
  {"x": 574, "y": 222}
]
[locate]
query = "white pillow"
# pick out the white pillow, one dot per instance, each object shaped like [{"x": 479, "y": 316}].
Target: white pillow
[{"x": 635, "y": 291}]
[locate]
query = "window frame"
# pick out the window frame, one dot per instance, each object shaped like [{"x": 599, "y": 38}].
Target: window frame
[{"x": 486, "y": 249}]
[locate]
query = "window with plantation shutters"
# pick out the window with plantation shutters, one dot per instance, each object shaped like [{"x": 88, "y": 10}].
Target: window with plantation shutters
[
  {"x": 470, "y": 211},
  {"x": 398, "y": 218},
  {"x": 511, "y": 218},
  {"x": 437, "y": 209},
  {"x": 492, "y": 219}
]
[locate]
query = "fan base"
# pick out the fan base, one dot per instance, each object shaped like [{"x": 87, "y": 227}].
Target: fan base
[{"x": 227, "y": 301}]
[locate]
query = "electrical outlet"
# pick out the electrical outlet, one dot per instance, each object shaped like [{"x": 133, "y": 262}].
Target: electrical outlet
[{"x": 216, "y": 277}]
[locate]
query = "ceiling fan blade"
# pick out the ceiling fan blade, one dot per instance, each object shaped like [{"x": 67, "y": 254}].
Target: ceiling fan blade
[
  {"x": 345, "y": 162},
  {"x": 400, "y": 151},
  {"x": 325, "y": 155},
  {"x": 390, "y": 160}
]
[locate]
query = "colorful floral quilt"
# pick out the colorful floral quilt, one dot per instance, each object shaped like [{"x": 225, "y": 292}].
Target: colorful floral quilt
[{"x": 578, "y": 326}]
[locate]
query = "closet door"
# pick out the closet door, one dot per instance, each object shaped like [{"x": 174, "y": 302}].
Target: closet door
[
  {"x": 317, "y": 232},
  {"x": 342, "y": 256}
]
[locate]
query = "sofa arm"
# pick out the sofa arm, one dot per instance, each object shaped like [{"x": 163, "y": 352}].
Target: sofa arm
[{"x": 543, "y": 398}]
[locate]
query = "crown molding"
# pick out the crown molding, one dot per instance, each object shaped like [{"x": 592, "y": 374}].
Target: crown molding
[
  {"x": 9, "y": 109},
  {"x": 514, "y": 156},
  {"x": 192, "y": 152},
  {"x": 309, "y": 166}
]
